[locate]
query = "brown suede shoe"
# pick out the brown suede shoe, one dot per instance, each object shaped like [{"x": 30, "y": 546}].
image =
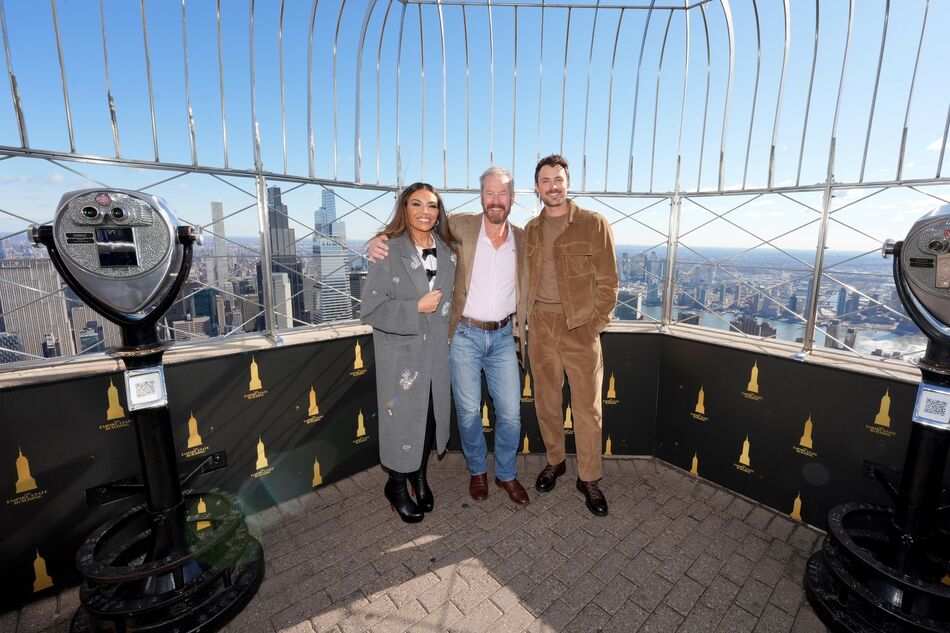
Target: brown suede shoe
[
  {"x": 515, "y": 490},
  {"x": 478, "y": 487}
]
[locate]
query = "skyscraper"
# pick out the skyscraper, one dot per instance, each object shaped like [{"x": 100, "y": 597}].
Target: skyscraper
[
  {"x": 33, "y": 306},
  {"x": 283, "y": 260},
  {"x": 331, "y": 295},
  {"x": 220, "y": 266}
]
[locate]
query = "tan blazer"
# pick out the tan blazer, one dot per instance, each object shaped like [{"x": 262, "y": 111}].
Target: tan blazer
[{"x": 465, "y": 228}]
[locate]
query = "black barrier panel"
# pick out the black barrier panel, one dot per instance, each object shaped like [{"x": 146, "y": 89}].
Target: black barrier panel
[
  {"x": 62, "y": 438},
  {"x": 628, "y": 401},
  {"x": 787, "y": 434}
]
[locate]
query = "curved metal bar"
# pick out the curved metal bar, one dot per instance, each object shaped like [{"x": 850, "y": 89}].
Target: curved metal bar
[
  {"x": 109, "y": 100},
  {"x": 636, "y": 94},
  {"x": 310, "y": 141},
  {"x": 755, "y": 89},
  {"x": 877, "y": 82},
  {"x": 188, "y": 111},
  {"x": 336, "y": 39},
  {"x": 62, "y": 76},
  {"x": 468, "y": 106},
  {"x": 445, "y": 163},
  {"x": 943, "y": 146},
  {"x": 567, "y": 43},
  {"x": 14, "y": 88},
  {"x": 811, "y": 85},
  {"x": 778, "y": 100},
  {"x": 514, "y": 102},
  {"x": 379, "y": 54},
  {"x": 679, "y": 136},
  {"x": 357, "y": 140},
  {"x": 255, "y": 130},
  {"x": 283, "y": 100},
  {"x": 537, "y": 149},
  {"x": 422, "y": 101},
  {"x": 910, "y": 94},
  {"x": 610, "y": 96},
  {"x": 844, "y": 68},
  {"x": 148, "y": 75},
  {"x": 224, "y": 118},
  {"x": 590, "y": 61},
  {"x": 491, "y": 91},
  {"x": 727, "y": 14},
  {"x": 702, "y": 138},
  {"x": 402, "y": 27},
  {"x": 656, "y": 103}
]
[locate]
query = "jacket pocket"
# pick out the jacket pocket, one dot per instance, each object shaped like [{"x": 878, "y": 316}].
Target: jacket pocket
[{"x": 578, "y": 258}]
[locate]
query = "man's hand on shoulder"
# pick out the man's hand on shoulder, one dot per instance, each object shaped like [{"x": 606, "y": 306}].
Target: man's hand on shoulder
[{"x": 377, "y": 248}]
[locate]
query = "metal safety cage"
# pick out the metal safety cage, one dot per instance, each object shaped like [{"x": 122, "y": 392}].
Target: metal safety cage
[{"x": 686, "y": 125}]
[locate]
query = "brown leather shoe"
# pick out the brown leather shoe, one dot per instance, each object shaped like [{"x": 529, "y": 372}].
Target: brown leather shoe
[
  {"x": 478, "y": 487},
  {"x": 594, "y": 499},
  {"x": 548, "y": 477},
  {"x": 515, "y": 490}
]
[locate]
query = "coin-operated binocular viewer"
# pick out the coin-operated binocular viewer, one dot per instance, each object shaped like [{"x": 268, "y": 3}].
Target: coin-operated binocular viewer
[
  {"x": 183, "y": 561},
  {"x": 888, "y": 568}
]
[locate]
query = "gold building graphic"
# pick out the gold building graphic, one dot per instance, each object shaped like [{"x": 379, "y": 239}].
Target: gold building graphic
[
  {"x": 797, "y": 507},
  {"x": 612, "y": 388},
  {"x": 317, "y": 477},
  {"x": 883, "y": 417},
  {"x": 701, "y": 402},
  {"x": 806, "y": 439},
  {"x": 313, "y": 409},
  {"x": 753, "y": 386},
  {"x": 358, "y": 356},
  {"x": 202, "y": 509},
  {"x": 24, "y": 480},
  {"x": 360, "y": 427},
  {"x": 608, "y": 448},
  {"x": 194, "y": 439},
  {"x": 568, "y": 421},
  {"x": 485, "y": 421},
  {"x": 115, "y": 410},
  {"x": 694, "y": 467},
  {"x": 527, "y": 386},
  {"x": 255, "y": 382},
  {"x": 261, "y": 457},
  {"x": 41, "y": 579},
  {"x": 525, "y": 447},
  {"x": 744, "y": 457}
]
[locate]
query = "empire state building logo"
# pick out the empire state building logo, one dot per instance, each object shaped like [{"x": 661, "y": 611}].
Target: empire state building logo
[
  {"x": 358, "y": 369},
  {"x": 752, "y": 389},
  {"x": 26, "y": 488},
  {"x": 255, "y": 388},
  {"x": 115, "y": 414}
]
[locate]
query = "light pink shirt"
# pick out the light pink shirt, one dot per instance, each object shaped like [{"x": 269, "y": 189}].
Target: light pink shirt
[{"x": 491, "y": 293}]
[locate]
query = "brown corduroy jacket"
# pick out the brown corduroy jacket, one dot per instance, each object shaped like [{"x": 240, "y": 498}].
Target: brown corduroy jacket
[{"x": 586, "y": 267}]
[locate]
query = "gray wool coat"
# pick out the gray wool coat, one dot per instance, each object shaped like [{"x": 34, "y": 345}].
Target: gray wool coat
[{"x": 412, "y": 350}]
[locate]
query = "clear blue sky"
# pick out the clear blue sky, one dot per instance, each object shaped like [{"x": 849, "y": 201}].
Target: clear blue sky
[{"x": 499, "y": 125}]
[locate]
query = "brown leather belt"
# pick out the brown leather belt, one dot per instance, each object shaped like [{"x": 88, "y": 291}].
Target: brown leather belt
[{"x": 485, "y": 325}]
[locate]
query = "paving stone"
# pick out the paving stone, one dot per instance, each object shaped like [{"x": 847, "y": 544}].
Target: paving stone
[
  {"x": 515, "y": 620},
  {"x": 754, "y": 547},
  {"x": 663, "y": 620},
  {"x": 737, "y": 620},
  {"x": 300, "y": 627},
  {"x": 439, "y": 620},
  {"x": 759, "y": 517},
  {"x": 615, "y": 594},
  {"x": 768, "y": 571},
  {"x": 774, "y": 620},
  {"x": 753, "y": 596},
  {"x": 591, "y": 618},
  {"x": 684, "y": 595},
  {"x": 739, "y": 508},
  {"x": 650, "y": 591},
  {"x": 366, "y": 617},
  {"x": 807, "y": 622},
  {"x": 804, "y": 539},
  {"x": 779, "y": 550},
  {"x": 701, "y": 620},
  {"x": 628, "y": 618},
  {"x": 705, "y": 569},
  {"x": 787, "y": 596},
  {"x": 401, "y": 619},
  {"x": 338, "y": 611},
  {"x": 719, "y": 595}
]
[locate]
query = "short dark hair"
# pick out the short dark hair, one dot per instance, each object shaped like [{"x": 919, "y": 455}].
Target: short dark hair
[{"x": 554, "y": 160}]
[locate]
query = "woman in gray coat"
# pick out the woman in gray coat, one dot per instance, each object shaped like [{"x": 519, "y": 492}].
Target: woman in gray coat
[{"x": 407, "y": 299}]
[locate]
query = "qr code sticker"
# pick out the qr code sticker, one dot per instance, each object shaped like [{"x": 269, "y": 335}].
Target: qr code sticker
[
  {"x": 145, "y": 390},
  {"x": 936, "y": 408}
]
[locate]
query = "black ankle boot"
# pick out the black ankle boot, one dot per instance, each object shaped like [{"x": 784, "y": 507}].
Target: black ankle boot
[
  {"x": 398, "y": 496},
  {"x": 420, "y": 486}
]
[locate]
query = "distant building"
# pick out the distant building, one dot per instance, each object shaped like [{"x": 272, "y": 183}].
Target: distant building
[
  {"x": 220, "y": 268},
  {"x": 332, "y": 299},
  {"x": 33, "y": 304},
  {"x": 51, "y": 347},
  {"x": 689, "y": 318},
  {"x": 357, "y": 280},
  {"x": 196, "y": 327},
  {"x": 10, "y": 344}
]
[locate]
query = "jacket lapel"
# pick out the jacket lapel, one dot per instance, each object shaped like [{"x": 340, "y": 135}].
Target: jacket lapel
[{"x": 413, "y": 265}]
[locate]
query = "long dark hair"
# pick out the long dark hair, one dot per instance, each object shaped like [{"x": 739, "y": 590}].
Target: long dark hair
[{"x": 399, "y": 224}]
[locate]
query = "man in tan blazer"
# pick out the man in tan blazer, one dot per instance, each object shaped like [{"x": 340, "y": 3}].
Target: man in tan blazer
[{"x": 488, "y": 314}]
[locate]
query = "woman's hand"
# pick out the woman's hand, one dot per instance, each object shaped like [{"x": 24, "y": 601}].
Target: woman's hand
[{"x": 430, "y": 301}]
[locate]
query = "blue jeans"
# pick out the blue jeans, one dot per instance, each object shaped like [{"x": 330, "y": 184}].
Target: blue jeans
[{"x": 471, "y": 352}]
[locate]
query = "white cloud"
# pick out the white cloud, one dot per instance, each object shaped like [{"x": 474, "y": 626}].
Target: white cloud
[
  {"x": 935, "y": 144},
  {"x": 753, "y": 214},
  {"x": 776, "y": 214},
  {"x": 57, "y": 179}
]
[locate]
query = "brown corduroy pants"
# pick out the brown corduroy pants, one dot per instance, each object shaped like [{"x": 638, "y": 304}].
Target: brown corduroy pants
[{"x": 554, "y": 350}]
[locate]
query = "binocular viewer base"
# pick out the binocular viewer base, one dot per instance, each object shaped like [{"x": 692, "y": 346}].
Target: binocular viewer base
[
  {"x": 868, "y": 578},
  {"x": 175, "y": 571}
]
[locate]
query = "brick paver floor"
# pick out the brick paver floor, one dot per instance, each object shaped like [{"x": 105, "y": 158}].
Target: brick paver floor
[{"x": 676, "y": 553}]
